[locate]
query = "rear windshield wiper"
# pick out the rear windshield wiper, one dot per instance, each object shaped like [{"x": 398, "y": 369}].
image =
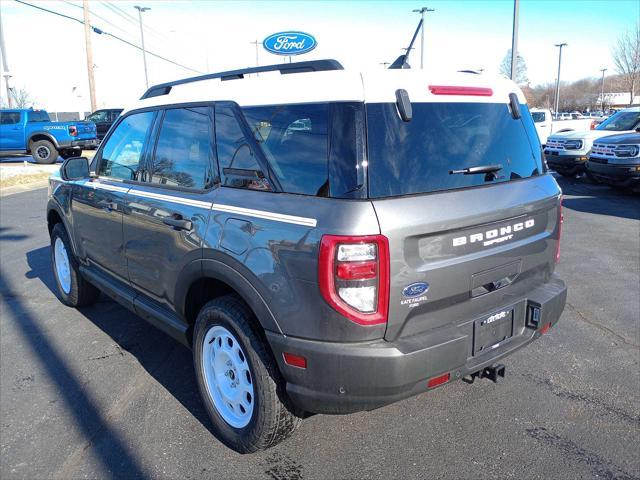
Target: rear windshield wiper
[{"x": 490, "y": 170}]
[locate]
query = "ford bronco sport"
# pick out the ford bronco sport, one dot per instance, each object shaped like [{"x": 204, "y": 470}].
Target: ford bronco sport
[{"x": 324, "y": 240}]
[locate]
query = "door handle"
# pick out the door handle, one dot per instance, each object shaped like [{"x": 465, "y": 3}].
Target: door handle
[{"x": 178, "y": 223}]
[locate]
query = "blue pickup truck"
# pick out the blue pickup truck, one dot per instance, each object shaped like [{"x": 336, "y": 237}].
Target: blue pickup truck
[{"x": 32, "y": 131}]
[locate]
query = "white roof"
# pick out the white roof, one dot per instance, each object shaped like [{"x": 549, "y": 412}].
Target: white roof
[{"x": 271, "y": 88}]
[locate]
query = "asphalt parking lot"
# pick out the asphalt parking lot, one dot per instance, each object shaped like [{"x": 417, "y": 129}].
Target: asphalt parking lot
[{"x": 99, "y": 393}]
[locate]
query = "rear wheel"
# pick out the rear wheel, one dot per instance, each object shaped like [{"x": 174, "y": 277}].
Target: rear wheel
[
  {"x": 239, "y": 381},
  {"x": 73, "y": 289},
  {"x": 43, "y": 151}
]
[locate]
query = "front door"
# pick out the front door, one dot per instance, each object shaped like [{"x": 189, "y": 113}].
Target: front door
[
  {"x": 167, "y": 212},
  {"x": 98, "y": 204},
  {"x": 11, "y": 131}
]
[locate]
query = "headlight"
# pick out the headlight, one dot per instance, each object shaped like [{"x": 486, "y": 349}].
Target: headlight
[
  {"x": 573, "y": 145},
  {"x": 626, "y": 151}
]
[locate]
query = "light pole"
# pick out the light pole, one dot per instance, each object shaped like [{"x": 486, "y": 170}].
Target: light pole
[
  {"x": 256, "y": 43},
  {"x": 602, "y": 90},
  {"x": 514, "y": 40},
  {"x": 422, "y": 11},
  {"x": 144, "y": 53},
  {"x": 560, "y": 45}
]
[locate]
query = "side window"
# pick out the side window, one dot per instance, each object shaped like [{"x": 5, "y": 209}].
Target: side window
[
  {"x": 238, "y": 165},
  {"x": 9, "y": 118},
  {"x": 98, "y": 117},
  {"x": 185, "y": 145},
  {"x": 122, "y": 152},
  {"x": 37, "y": 117}
]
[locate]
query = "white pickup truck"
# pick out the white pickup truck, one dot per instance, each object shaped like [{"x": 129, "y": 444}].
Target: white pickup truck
[
  {"x": 567, "y": 152},
  {"x": 545, "y": 125}
]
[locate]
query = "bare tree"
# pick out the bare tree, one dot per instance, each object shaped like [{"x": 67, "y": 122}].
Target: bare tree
[
  {"x": 21, "y": 97},
  {"x": 626, "y": 57},
  {"x": 521, "y": 68}
]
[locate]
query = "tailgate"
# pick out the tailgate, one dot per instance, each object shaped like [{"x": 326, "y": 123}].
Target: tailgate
[
  {"x": 85, "y": 130},
  {"x": 457, "y": 254}
]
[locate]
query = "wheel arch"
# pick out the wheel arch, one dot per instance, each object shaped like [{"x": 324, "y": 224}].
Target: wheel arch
[
  {"x": 205, "y": 279},
  {"x": 40, "y": 135}
]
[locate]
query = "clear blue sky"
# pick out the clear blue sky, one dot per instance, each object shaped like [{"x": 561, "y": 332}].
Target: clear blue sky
[{"x": 215, "y": 36}]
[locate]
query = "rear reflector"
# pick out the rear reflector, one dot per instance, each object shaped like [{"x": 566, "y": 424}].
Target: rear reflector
[
  {"x": 436, "y": 381},
  {"x": 545, "y": 329},
  {"x": 560, "y": 222},
  {"x": 294, "y": 360},
  {"x": 452, "y": 90}
]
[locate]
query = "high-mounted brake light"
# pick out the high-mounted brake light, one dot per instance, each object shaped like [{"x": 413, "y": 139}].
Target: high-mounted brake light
[
  {"x": 354, "y": 276},
  {"x": 560, "y": 222},
  {"x": 73, "y": 130},
  {"x": 453, "y": 90}
]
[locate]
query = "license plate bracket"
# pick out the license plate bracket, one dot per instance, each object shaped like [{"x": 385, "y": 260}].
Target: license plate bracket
[{"x": 489, "y": 332}]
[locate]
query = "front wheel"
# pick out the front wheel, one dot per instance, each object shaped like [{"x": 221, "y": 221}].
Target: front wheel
[
  {"x": 43, "y": 151},
  {"x": 73, "y": 289},
  {"x": 241, "y": 386}
]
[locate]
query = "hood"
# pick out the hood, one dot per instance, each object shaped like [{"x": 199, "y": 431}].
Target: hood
[
  {"x": 622, "y": 139},
  {"x": 589, "y": 135}
]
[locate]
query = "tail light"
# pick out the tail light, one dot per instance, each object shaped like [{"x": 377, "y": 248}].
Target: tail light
[
  {"x": 354, "y": 276},
  {"x": 593, "y": 125},
  {"x": 560, "y": 222},
  {"x": 73, "y": 130}
]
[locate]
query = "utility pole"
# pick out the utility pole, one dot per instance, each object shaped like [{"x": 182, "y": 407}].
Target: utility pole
[
  {"x": 560, "y": 45},
  {"x": 87, "y": 44},
  {"x": 384, "y": 64},
  {"x": 422, "y": 11},
  {"x": 256, "y": 43},
  {"x": 144, "y": 52},
  {"x": 5, "y": 64},
  {"x": 602, "y": 89},
  {"x": 514, "y": 40}
]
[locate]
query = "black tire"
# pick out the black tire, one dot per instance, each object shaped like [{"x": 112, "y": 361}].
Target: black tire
[
  {"x": 274, "y": 418},
  {"x": 44, "y": 152},
  {"x": 567, "y": 174},
  {"x": 81, "y": 293},
  {"x": 591, "y": 178},
  {"x": 70, "y": 153}
]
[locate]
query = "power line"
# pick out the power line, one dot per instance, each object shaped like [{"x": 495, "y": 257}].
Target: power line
[
  {"x": 132, "y": 20},
  {"x": 102, "y": 32},
  {"x": 97, "y": 16}
]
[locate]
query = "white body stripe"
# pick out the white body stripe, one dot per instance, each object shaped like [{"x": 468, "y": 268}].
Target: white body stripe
[{"x": 277, "y": 217}]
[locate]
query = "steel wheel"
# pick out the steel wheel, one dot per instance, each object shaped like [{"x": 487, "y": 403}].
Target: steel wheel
[
  {"x": 61, "y": 260},
  {"x": 228, "y": 376}
]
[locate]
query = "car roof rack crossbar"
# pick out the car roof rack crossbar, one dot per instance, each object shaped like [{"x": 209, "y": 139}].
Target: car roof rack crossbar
[{"x": 283, "y": 68}]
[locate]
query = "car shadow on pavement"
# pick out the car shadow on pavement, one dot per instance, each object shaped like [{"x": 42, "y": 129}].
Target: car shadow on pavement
[
  {"x": 11, "y": 237},
  {"x": 598, "y": 199},
  {"x": 167, "y": 361},
  {"x": 113, "y": 454}
]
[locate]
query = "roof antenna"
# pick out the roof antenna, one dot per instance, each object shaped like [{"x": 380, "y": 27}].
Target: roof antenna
[{"x": 403, "y": 60}]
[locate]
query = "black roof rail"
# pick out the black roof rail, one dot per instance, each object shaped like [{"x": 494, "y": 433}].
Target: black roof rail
[{"x": 283, "y": 68}]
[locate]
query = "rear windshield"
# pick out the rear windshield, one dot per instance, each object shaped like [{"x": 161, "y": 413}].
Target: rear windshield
[
  {"x": 538, "y": 116},
  {"x": 419, "y": 156}
]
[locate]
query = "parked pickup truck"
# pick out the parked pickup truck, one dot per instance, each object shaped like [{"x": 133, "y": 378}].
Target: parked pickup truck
[
  {"x": 31, "y": 131},
  {"x": 545, "y": 125}
]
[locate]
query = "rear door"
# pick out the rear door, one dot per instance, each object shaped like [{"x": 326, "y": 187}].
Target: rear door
[
  {"x": 461, "y": 245},
  {"x": 167, "y": 210}
]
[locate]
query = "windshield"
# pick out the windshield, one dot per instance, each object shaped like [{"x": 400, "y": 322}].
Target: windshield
[
  {"x": 538, "y": 116},
  {"x": 620, "y": 122},
  {"x": 421, "y": 156}
]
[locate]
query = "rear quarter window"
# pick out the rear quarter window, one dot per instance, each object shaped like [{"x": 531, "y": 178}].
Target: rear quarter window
[{"x": 419, "y": 156}]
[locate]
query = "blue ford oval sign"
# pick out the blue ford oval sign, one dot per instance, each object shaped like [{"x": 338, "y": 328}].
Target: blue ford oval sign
[
  {"x": 289, "y": 43},
  {"x": 415, "y": 289}
]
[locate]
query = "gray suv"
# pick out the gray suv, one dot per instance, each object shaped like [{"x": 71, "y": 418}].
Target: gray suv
[{"x": 324, "y": 241}]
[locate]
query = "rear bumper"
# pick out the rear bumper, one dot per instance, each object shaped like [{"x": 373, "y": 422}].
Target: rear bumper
[
  {"x": 82, "y": 143},
  {"x": 350, "y": 377},
  {"x": 565, "y": 163},
  {"x": 619, "y": 175}
]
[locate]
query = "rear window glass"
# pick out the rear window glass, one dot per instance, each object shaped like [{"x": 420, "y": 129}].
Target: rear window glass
[
  {"x": 295, "y": 141},
  {"x": 37, "y": 117},
  {"x": 419, "y": 156},
  {"x": 538, "y": 116}
]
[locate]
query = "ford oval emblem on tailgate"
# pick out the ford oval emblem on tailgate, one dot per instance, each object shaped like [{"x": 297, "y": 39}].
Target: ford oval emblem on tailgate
[
  {"x": 415, "y": 289},
  {"x": 289, "y": 43}
]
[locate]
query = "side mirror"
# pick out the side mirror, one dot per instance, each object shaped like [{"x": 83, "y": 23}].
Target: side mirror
[{"x": 75, "y": 168}]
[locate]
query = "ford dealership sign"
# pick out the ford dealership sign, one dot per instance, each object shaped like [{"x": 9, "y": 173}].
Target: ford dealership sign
[{"x": 289, "y": 43}]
